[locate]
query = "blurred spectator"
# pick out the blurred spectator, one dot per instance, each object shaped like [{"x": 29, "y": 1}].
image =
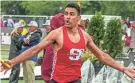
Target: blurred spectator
[
  {"x": 10, "y": 22},
  {"x": 125, "y": 37},
  {"x": 15, "y": 49},
  {"x": 128, "y": 22},
  {"x": 46, "y": 66},
  {"x": 5, "y": 23},
  {"x": 47, "y": 28},
  {"x": 132, "y": 42},
  {"x": 83, "y": 24},
  {"x": 86, "y": 23},
  {"x": 1, "y": 23},
  {"x": 24, "y": 28},
  {"x": 126, "y": 33},
  {"x": 124, "y": 26},
  {"x": 31, "y": 39},
  {"x": 57, "y": 21}
]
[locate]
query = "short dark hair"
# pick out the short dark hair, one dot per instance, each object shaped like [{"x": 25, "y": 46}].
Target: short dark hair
[{"x": 73, "y": 5}]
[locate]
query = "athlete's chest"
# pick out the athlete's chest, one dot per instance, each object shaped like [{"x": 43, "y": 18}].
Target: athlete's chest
[{"x": 73, "y": 38}]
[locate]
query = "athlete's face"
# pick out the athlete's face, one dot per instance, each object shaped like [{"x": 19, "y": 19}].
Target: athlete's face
[{"x": 71, "y": 17}]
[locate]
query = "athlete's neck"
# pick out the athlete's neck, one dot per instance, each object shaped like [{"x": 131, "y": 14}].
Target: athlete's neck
[{"x": 73, "y": 30}]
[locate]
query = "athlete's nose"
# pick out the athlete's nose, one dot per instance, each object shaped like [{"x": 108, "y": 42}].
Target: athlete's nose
[{"x": 68, "y": 16}]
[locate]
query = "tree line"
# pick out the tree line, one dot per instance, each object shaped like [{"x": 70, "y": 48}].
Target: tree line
[{"x": 120, "y": 8}]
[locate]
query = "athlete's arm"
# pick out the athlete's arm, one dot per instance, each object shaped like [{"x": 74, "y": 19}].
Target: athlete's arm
[
  {"x": 36, "y": 49},
  {"x": 103, "y": 57}
]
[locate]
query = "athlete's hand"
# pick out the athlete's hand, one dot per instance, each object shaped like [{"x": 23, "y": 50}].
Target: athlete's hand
[
  {"x": 5, "y": 66},
  {"x": 130, "y": 72}
]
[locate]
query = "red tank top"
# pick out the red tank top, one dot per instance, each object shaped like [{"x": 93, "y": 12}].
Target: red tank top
[{"x": 67, "y": 61}]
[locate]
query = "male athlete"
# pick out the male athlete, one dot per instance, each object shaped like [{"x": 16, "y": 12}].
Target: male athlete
[{"x": 70, "y": 42}]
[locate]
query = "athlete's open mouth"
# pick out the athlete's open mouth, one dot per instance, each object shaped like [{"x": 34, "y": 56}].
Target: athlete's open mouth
[{"x": 67, "y": 22}]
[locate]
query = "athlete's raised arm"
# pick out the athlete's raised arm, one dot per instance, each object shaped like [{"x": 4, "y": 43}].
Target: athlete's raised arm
[{"x": 105, "y": 58}]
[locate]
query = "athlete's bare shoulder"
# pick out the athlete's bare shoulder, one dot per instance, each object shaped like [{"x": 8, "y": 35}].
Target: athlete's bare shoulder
[
  {"x": 55, "y": 34},
  {"x": 57, "y": 31},
  {"x": 87, "y": 37}
]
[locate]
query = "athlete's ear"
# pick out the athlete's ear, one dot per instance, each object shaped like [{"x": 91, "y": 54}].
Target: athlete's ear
[{"x": 79, "y": 18}]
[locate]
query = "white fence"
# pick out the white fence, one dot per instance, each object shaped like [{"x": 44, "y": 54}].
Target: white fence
[{"x": 5, "y": 38}]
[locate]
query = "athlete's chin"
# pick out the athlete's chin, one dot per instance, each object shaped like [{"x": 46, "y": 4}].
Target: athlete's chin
[{"x": 68, "y": 26}]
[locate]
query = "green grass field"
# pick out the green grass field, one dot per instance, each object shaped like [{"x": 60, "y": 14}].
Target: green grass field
[
  {"x": 4, "y": 55},
  {"x": 5, "y": 47},
  {"x": 21, "y": 81}
]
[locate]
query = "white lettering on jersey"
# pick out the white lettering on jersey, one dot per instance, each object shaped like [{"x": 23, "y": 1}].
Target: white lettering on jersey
[{"x": 75, "y": 54}]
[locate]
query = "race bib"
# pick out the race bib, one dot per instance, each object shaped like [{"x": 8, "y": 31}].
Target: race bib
[{"x": 75, "y": 54}]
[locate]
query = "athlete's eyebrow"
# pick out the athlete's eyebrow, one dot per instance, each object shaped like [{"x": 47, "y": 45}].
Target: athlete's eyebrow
[
  {"x": 73, "y": 13},
  {"x": 66, "y": 12}
]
